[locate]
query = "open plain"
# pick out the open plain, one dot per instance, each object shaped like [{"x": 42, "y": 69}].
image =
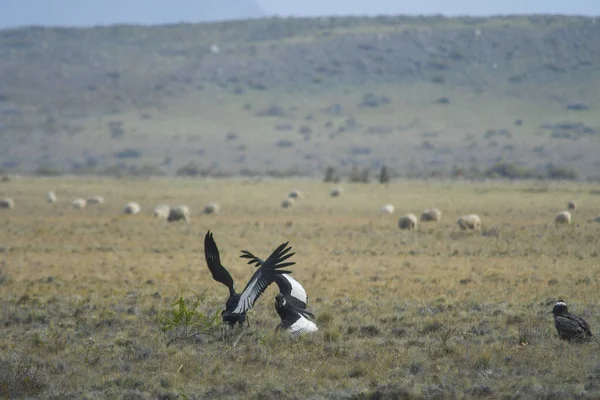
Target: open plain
[{"x": 436, "y": 313}]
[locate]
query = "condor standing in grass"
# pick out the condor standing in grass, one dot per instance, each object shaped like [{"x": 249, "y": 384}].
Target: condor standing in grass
[
  {"x": 239, "y": 303},
  {"x": 570, "y": 326}
]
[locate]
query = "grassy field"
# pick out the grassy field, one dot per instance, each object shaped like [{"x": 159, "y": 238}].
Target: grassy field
[{"x": 431, "y": 314}]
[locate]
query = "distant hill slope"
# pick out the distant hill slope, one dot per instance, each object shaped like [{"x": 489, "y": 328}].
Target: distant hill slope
[
  {"x": 108, "y": 12},
  {"x": 422, "y": 95}
]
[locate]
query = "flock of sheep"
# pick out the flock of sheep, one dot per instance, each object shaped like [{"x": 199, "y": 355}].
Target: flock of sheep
[
  {"x": 465, "y": 222},
  {"x": 410, "y": 221},
  {"x": 162, "y": 211},
  {"x": 182, "y": 212}
]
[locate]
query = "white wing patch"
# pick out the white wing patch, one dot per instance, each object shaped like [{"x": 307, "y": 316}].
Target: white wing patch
[
  {"x": 297, "y": 289},
  {"x": 303, "y": 325},
  {"x": 249, "y": 295}
]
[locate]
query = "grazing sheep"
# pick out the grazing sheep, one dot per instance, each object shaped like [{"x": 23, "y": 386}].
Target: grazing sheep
[
  {"x": 295, "y": 194},
  {"x": 161, "y": 211},
  {"x": 471, "y": 221},
  {"x": 387, "y": 209},
  {"x": 132, "y": 208},
  {"x": 79, "y": 203},
  {"x": 7, "y": 203},
  {"x": 51, "y": 198},
  {"x": 95, "y": 200},
  {"x": 563, "y": 218},
  {"x": 408, "y": 221},
  {"x": 335, "y": 192},
  {"x": 211, "y": 208},
  {"x": 287, "y": 203},
  {"x": 179, "y": 213},
  {"x": 431, "y": 215},
  {"x": 571, "y": 205}
]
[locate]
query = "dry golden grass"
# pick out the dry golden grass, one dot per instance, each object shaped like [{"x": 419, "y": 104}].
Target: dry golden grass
[{"x": 435, "y": 313}]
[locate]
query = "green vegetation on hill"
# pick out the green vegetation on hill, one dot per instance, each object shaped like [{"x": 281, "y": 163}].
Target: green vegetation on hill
[{"x": 292, "y": 96}]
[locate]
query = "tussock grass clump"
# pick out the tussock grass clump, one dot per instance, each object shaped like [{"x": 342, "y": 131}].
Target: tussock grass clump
[
  {"x": 20, "y": 377},
  {"x": 3, "y": 277}
]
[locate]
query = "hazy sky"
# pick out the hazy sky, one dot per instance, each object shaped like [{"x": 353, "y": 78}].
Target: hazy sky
[
  {"x": 103, "y": 12},
  {"x": 91, "y": 12},
  {"x": 451, "y": 7}
]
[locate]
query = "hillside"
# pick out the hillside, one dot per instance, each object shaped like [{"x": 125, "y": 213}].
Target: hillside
[{"x": 422, "y": 95}]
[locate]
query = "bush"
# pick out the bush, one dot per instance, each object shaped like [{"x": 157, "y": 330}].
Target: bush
[
  {"x": 284, "y": 143},
  {"x": 384, "y": 175},
  {"x": 565, "y": 173},
  {"x": 128, "y": 153},
  {"x": 359, "y": 176},
  {"x": 116, "y": 129},
  {"x": 192, "y": 169},
  {"x": 372, "y": 100},
  {"x": 331, "y": 175},
  {"x": 510, "y": 171},
  {"x": 185, "y": 322},
  {"x": 147, "y": 170},
  {"x": 47, "y": 171},
  {"x": 273, "y": 110}
]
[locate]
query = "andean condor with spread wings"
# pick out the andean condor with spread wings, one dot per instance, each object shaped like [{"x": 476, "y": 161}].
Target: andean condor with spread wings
[
  {"x": 239, "y": 303},
  {"x": 290, "y": 303},
  {"x": 288, "y": 286}
]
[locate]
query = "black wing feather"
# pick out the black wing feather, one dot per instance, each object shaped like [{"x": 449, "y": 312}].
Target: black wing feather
[
  {"x": 213, "y": 260},
  {"x": 263, "y": 277},
  {"x": 252, "y": 258},
  {"x": 258, "y": 262},
  {"x": 301, "y": 310},
  {"x": 285, "y": 287}
]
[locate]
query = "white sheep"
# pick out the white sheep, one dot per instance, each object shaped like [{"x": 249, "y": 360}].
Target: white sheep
[
  {"x": 431, "y": 215},
  {"x": 161, "y": 211},
  {"x": 287, "y": 203},
  {"x": 95, "y": 200},
  {"x": 471, "y": 221},
  {"x": 211, "y": 208},
  {"x": 408, "y": 221},
  {"x": 7, "y": 203},
  {"x": 179, "y": 213},
  {"x": 571, "y": 205},
  {"x": 51, "y": 198},
  {"x": 387, "y": 209},
  {"x": 295, "y": 194},
  {"x": 79, "y": 203},
  {"x": 562, "y": 218},
  {"x": 132, "y": 208},
  {"x": 335, "y": 192}
]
